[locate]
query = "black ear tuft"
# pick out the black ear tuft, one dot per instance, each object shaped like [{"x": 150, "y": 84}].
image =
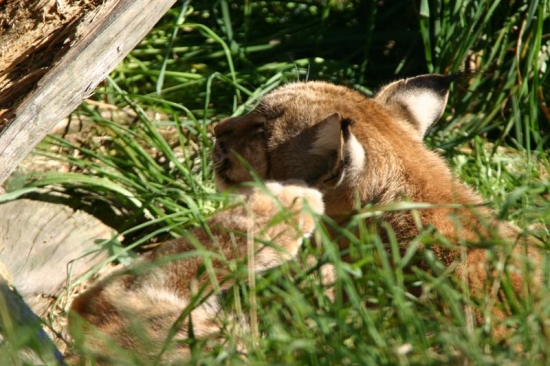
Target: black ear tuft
[
  {"x": 438, "y": 84},
  {"x": 420, "y": 100}
]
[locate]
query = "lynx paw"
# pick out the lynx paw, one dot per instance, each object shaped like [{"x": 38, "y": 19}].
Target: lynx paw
[
  {"x": 285, "y": 226},
  {"x": 295, "y": 192},
  {"x": 302, "y": 202}
]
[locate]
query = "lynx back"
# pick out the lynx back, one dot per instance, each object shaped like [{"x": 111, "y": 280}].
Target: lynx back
[
  {"x": 357, "y": 151},
  {"x": 131, "y": 314}
]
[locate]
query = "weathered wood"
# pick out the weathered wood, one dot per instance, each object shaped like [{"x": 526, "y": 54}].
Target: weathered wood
[
  {"x": 18, "y": 320},
  {"x": 38, "y": 240},
  {"x": 43, "y": 243},
  {"x": 104, "y": 38}
]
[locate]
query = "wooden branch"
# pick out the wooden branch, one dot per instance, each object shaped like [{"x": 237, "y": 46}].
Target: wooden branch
[
  {"x": 17, "y": 320},
  {"x": 107, "y": 36}
]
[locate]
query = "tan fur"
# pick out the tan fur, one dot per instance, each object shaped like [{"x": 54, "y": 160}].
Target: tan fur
[
  {"x": 377, "y": 155},
  {"x": 135, "y": 309}
]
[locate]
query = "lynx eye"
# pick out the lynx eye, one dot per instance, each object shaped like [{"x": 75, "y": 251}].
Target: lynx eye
[{"x": 258, "y": 127}]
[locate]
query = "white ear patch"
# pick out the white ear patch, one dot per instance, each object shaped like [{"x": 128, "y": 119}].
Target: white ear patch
[
  {"x": 356, "y": 156},
  {"x": 334, "y": 136},
  {"x": 424, "y": 106},
  {"x": 420, "y": 100}
]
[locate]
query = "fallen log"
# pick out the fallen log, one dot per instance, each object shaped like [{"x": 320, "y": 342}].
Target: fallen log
[
  {"x": 18, "y": 321},
  {"x": 96, "y": 43}
]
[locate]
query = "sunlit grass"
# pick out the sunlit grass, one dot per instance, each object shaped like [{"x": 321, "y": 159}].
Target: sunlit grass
[{"x": 205, "y": 61}]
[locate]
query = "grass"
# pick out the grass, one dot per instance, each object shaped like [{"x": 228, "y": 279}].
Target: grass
[{"x": 148, "y": 155}]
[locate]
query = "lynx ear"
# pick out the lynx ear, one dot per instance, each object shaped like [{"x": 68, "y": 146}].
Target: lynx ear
[
  {"x": 334, "y": 142},
  {"x": 420, "y": 100},
  {"x": 328, "y": 139}
]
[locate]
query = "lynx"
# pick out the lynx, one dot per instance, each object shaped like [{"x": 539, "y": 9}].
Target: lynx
[
  {"x": 357, "y": 151},
  {"x": 130, "y": 314}
]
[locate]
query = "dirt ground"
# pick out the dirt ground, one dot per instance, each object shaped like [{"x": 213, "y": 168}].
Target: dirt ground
[{"x": 33, "y": 35}]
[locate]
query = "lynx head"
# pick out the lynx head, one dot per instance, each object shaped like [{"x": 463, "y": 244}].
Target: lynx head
[{"x": 330, "y": 136}]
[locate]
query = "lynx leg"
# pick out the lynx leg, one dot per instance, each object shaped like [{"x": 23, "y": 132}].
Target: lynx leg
[
  {"x": 522, "y": 267},
  {"x": 134, "y": 311},
  {"x": 286, "y": 232}
]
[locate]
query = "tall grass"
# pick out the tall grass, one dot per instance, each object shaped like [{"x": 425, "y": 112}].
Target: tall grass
[{"x": 207, "y": 60}]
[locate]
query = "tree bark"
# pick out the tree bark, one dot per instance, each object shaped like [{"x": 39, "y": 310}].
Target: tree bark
[
  {"x": 17, "y": 320},
  {"x": 42, "y": 246},
  {"x": 105, "y": 37}
]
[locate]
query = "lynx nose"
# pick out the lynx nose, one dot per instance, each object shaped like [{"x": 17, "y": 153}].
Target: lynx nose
[{"x": 220, "y": 151}]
